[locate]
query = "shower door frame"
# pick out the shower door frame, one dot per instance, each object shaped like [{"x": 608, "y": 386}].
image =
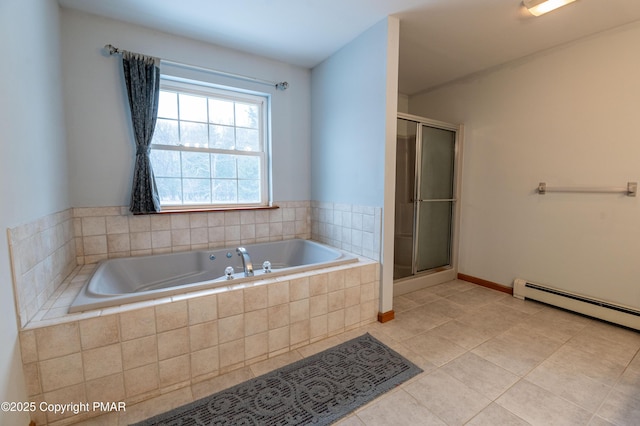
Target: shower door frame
[{"x": 443, "y": 274}]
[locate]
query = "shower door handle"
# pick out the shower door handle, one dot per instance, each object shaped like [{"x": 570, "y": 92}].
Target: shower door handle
[{"x": 435, "y": 200}]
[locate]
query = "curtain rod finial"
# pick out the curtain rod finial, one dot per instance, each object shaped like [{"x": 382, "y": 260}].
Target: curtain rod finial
[{"x": 111, "y": 50}]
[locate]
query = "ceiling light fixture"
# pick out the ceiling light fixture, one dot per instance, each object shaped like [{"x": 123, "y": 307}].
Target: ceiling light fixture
[{"x": 540, "y": 7}]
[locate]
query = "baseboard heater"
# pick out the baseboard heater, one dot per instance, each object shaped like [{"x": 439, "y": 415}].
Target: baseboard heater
[{"x": 607, "y": 311}]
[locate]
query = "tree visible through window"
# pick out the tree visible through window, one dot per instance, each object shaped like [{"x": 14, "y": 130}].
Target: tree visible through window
[{"x": 208, "y": 147}]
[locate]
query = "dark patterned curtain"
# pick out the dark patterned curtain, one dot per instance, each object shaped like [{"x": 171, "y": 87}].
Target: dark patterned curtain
[{"x": 142, "y": 78}]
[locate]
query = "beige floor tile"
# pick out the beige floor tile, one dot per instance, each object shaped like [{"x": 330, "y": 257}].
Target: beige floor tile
[
  {"x": 481, "y": 375},
  {"x": 476, "y": 297},
  {"x": 567, "y": 382},
  {"x": 620, "y": 409},
  {"x": 492, "y": 318},
  {"x": 448, "y": 398},
  {"x": 629, "y": 384},
  {"x": 541, "y": 407},
  {"x": 495, "y": 415},
  {"x": 616, "y": 352},
  {"x": 462, "y": 334},
  {"x": 517, "y": 352},
  {"x": 352, "y": 420},
  {"x": 447, "y": 309},
  {"x": 397, "y": 408},
  {"x": 433, "y": 348},
  {"x": 590, "y": 365}
]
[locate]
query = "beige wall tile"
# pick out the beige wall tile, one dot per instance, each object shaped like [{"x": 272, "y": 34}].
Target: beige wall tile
[
  {"x": 117, "y": 225},
  {"x": 368, "y": 273},
  {"x": 335, "y": 300},
  {"x": 102, "y": 361},
  {"x": 94, "y": 245},
  {"x": 231, "y": 328},
  {"x": 93, "y": 226},
  {"x": 170, "y": 316},
  {"x": 160, "y": 239},
  {"x": 28, "y": 346},
  {"x": 180, "y": 237},
  {"x": 139, "y": 352},
  {"x": 106, "y": 389},
  {"x": 367, "y": 292},
  {"x": 232, "y": 353},
  {"x": 336, "y": 280},
  {"x": 278, "y": 293},
  {"x": 255, "y": 298},
  {"x": 100, "y": 331},
  {"x": 335, "y": 321},
  {"x": 61, "y": 372},
  {"x": 173, "y": 343},
  {"x": 230, "y": 303},
  {"x": 139, "y": 241},
  {"x": 278, "y": 316},
  {"x": 205, "y": 362},
  {"x": 255, "y": 322},
  {"x": 138, "y": 323},
  {"x": 299, "y": 310},
  {"x": 118, "y": 243},
  {"x": 204, "y": 335},
  {"x": 160, "y": 223},
  {"x": 352, "y": 277},
  {"x": 174, "y": 370},
  {"x": 352, "y": 315},
  {"x": 141, "y": 380},
  {"x": 256, "y": 345},
  {"x": 32, "y": 378},
  {"x": 299, "y": 288},
  {"x": 180, "y": 221},
  {"x": 139, "y": 223},
  {"x": 64, "y": 396},
  {"x": 299, "y": 332},
  {"x": 203, "y": 309},
  {"x": 57, "y": 340},
  {"x": 278, "y": 339},
  {"x": 318, "y": 284},
  {"x": 318, "y": 305},
  {"x": 352, "y": 296},
  {"x": 318, "y": 327}
]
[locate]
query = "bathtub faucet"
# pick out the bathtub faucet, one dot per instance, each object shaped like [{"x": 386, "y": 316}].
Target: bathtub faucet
[{"x": 246, "y": 261}]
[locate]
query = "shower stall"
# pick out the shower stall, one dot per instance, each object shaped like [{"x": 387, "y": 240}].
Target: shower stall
[{"x": 426, "y": 204}]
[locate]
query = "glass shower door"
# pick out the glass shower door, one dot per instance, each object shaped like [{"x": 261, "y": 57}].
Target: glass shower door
[
  {"x": 435, "y": 198},
  {"x": 403, "y": 261}
]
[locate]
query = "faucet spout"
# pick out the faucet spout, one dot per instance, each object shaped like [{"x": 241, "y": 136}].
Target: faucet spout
[{"x": 246, "y": 261}]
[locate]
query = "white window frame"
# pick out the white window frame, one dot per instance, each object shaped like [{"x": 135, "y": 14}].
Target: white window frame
[{"x": 200, "y": 88}]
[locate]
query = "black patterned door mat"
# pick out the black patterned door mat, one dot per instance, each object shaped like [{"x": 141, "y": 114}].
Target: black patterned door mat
[{"x": 317, "y": 390}]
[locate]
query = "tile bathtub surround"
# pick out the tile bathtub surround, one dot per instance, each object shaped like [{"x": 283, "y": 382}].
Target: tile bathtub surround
[
  {"x": 108, "y": 232},
  {"x": 133, "y": 354},
  {"x": 42, "y": 256},
  {"x": 353, "y": 228}
]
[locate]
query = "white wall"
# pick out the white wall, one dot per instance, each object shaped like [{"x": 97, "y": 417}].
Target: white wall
[
  {"x": 100, "y": 141},
  {"x": 567, "y": 117},
  {"x": 348, "y": 92},
  {"x": 354, "y": 108},
  {"x": 33, "y": 158}
]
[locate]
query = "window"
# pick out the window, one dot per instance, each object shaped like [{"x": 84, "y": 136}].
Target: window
[{"x": 209, "y": 147}]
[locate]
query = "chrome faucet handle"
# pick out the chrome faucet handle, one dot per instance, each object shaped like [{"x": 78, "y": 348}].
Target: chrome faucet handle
[{"x": 229, "y": 272}]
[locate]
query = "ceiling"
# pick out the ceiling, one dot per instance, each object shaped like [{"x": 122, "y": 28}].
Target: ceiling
[{"x": 440, "y": 40}]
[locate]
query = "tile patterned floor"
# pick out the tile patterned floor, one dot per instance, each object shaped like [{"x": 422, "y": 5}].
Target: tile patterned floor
[{"x": 488, "y": 359}]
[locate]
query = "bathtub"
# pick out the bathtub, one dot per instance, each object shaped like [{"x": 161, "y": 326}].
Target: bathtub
[{"x": 125, "y": 280}]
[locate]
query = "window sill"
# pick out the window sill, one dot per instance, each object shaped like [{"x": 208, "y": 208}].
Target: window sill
[{"x": 216, "y": 209}]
